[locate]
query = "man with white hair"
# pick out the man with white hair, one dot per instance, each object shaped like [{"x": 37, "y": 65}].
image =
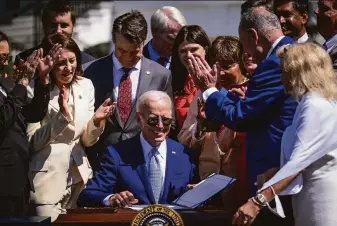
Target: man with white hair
[
  {"x": 165, "y": 25},
  {"x": 146, "y": 169}
]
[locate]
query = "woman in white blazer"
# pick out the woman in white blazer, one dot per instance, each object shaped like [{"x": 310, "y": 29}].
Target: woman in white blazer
[
  {"x": 59, "y": 168},
  {"x": 309, "y": 146}
]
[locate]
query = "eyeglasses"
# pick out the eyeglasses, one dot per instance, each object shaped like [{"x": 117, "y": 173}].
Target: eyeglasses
[{"x": 154, "y": 120}]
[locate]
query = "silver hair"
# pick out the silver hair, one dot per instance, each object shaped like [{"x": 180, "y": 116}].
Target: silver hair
[
  {"x": 152, "y": 96},
  {"x": 263, "y": 21},
  {"x": 160, "y": 19}
]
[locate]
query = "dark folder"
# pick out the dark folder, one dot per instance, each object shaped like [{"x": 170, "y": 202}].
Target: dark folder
[{"x": 203, "y": 191}]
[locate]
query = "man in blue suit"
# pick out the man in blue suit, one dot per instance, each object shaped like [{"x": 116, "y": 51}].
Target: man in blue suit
[
  {"x": 266, "y": 110},
  {"x": 146, "y": 169}
]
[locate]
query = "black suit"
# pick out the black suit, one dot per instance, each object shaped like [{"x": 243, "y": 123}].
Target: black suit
[
  {"x": 14, "y": 154},
  {"x": 153, "y": 76}
]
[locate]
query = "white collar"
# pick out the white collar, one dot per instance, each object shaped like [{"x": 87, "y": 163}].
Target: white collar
[
  {"x": 304, "y": 38},
  {"x": 119, "y": 66},
  {"x": 274, "y": 45},
  {"x": 147, "y": 147}
]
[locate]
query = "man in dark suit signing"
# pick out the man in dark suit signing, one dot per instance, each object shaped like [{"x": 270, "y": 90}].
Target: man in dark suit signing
[
  {"x": 146, "y": 169},
  {"x": 124, "y": 75},
  {"x": 57, "y": 17}
]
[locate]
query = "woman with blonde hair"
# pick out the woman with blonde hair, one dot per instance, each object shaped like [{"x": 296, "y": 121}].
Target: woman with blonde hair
[{"x": 309, "y": 146}]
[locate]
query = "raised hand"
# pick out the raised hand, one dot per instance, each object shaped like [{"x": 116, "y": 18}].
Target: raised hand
[
  {"x": 47, "y": 63},
  {"x": 29, "y": 66},
  {"x": 104, "y": 111},
  {"x": 203, "y": 76},
  {"x": 63, "y": 102}
]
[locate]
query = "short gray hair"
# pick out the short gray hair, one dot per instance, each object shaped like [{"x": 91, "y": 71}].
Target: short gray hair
[
  {"x": 160, "y": 19},
  {"x": 259, "y": 18},
  {"x": 152, "y": 96}
]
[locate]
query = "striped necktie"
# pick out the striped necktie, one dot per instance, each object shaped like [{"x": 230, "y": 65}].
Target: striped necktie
[{"x": 155, "y": 174}]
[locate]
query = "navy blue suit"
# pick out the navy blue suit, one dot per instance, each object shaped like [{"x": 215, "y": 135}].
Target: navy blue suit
[
  {"x": 263, "y": 115},
  {"x": 123, "y": 168}
]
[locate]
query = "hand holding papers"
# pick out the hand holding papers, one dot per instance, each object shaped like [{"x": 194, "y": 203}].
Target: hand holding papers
[{"x": 201, "y": 192}]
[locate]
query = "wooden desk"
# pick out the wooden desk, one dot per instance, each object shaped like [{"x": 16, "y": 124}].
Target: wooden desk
[{"x": 124, "y": 217}]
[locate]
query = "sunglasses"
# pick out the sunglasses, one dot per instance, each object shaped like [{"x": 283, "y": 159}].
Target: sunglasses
[{"x": 154, "y": 120}]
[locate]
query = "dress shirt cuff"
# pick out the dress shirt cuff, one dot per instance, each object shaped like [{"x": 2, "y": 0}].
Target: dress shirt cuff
[
  {"x": 106, "y": 200},
  {"x": 208, "y": 92}
]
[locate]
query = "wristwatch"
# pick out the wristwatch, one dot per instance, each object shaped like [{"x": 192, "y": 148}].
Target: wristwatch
[{"x": 261, "y": 200}]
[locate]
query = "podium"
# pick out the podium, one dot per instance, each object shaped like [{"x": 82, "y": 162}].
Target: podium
[{"x": 124, "y": 217}]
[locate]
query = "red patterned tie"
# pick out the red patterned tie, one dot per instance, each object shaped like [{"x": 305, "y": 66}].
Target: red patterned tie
[{"x": 124, "y": 102}]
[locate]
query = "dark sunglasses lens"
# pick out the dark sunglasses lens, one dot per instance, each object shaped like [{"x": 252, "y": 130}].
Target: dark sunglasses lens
[
  {"x": 153, "y": 121},
  {"x": 166, "y": 121}
]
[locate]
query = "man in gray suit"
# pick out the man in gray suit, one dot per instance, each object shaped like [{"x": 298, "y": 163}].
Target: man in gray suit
[
  {"x": 327, "y": 26},
  {"x": 124, "y": 75}
]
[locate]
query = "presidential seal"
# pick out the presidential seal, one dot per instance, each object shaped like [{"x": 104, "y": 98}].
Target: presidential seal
[{"x": 157, "y": 215}]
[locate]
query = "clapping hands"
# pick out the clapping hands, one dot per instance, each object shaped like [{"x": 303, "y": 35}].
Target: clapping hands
[
  {"x": 47, "y": 63},
  {"x": 203, "y": 75},
  {"x": 104, "y": 111}
]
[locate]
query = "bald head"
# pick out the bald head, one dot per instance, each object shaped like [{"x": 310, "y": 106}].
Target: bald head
[
  {"x": 258, "y": 31},
  {"x": 263, "y": 21}
]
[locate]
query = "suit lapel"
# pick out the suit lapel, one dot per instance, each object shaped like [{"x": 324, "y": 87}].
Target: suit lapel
[
  {"x": 170, "y": 169},
  {"x": 144, "y": 83},
  {"x": 7, "y": 86},
  {"x": 142, "y": 170},
  {"x": 80, "y": 108}
]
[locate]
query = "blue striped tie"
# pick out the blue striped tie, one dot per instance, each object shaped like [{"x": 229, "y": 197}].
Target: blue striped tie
[{"x": 155, "y": 174}]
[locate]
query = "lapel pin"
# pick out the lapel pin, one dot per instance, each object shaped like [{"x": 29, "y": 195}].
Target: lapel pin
[
  {"x": 173, "y": 152},
  {"x": 147, "y": 72}
]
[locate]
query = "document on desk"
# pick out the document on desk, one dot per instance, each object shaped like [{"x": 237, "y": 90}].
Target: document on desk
[
  {"x": 203, "y": 191},
  {"x": 140, "y": 207}
]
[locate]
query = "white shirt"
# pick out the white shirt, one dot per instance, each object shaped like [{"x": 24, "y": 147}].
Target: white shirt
[
  {"x": 211, "y": 90},
  {"x": 162, "y": 149},
  {"x": 304, "y": 38},
  {"x": 154, "y": 55},
  {"x": 2, "y": 90},
  {"x": 118, "y": 74},
  {"x": 274, "y": 46}
]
